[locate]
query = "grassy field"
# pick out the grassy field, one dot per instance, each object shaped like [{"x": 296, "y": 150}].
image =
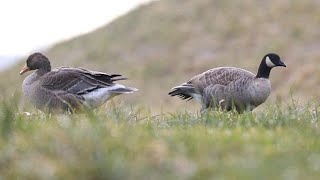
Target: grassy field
[
  {"x": 149, "y": 135},
  {"x": 126, "y": 142}
]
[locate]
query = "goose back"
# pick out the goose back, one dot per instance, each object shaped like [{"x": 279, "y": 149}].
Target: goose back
[
  {"x": 221, "y": 75},
  {"x": 77, "y": 80}
]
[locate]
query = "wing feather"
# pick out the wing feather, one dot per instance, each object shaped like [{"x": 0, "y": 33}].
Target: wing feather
[
  {"x": 77, "y": 80},
  {"x": 222, "y": 76}
]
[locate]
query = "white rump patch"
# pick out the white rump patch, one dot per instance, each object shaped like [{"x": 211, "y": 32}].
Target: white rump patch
[
  {"x": 100, "y": 96},
  {"x": 197, "y": 97},
  {"x": 269, "y": 62}
]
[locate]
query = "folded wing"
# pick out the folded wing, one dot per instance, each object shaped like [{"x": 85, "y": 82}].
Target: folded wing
[{"x": 78, "y": 81}]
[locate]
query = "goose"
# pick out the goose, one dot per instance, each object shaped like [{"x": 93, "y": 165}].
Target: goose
[
  {"x": 230, "y": 88},
  {"x": 67, "y": 89}
]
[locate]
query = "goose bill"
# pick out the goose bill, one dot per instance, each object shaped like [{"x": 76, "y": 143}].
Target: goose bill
[
  {"x": 282, "y": 64},
  {"x": 24, "y": 69}
]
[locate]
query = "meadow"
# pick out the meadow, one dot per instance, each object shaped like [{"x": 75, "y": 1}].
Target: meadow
[
  {"x": 148, "y": 134},
  {"x": 123, "y": 142}
]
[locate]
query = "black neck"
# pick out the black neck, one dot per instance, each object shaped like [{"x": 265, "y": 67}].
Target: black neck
[{"x": 263, "y": 71}]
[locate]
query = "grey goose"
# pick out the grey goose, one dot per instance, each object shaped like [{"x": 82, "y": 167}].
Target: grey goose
[
  {"x": 230, "y": 88},
  {"x": 68, "y": 89}
]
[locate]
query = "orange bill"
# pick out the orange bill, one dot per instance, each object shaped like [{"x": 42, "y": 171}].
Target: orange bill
[{"x": 24, "y": 69}]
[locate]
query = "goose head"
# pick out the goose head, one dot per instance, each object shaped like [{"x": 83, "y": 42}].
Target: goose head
[
  {"x": 273, "y": 60},
  {"x": 268, "y": 62},
  {"x": 36, "y": 61}
]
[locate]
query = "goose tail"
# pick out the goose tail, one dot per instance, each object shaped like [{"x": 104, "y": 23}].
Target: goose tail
[
  {"x": 121, "y": 89},
  {"x": 185, "y": 91}
]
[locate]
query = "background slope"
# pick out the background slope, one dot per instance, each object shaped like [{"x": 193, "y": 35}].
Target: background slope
[{"x": 164, "y": 43}]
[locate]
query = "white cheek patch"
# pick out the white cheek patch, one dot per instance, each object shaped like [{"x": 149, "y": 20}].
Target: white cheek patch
[{"x": 269, "y": 62}]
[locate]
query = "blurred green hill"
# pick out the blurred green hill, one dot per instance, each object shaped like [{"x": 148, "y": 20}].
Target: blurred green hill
[{"x": 164, "y": 43}]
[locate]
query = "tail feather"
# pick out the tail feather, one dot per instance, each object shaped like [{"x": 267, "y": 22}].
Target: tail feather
[
  {"x": 185, "y": 91},
  {"x": 122, "y": 90},
  {"x": 117, "y": 77}
]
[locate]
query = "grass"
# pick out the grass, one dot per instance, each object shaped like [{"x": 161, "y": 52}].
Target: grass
[
  {"x": 158, "y": 46},
  {"x": 119, "y": 142}
]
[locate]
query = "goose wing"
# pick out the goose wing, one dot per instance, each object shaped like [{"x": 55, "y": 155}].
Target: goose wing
[
  {"x": 221, "y": 76},
  {"x": 77, "y": 81},
  {"x": 210, "y": 82}
]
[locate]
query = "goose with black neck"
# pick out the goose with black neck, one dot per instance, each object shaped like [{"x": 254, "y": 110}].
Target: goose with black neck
[{"x": 230, "y": 88}]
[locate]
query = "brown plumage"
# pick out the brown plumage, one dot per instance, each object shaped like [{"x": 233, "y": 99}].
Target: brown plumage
[
  {"x": 68, "y": 89},
  {"x": 230, "y": 87}
]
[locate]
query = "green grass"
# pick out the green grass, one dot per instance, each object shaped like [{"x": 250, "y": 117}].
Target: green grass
[
  {"x": 164, "y": 43},
  {"x": 158, "y": 46},
  {"x": 122, "y": 142}
]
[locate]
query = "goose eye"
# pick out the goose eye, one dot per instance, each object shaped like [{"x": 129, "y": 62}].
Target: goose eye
[{"x": 269, "y": 62}]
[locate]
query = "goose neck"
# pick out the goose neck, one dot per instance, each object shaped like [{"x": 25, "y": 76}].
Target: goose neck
[
  {"x": 263, "y": 71},
  {"x": 43, "y": 71}
]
